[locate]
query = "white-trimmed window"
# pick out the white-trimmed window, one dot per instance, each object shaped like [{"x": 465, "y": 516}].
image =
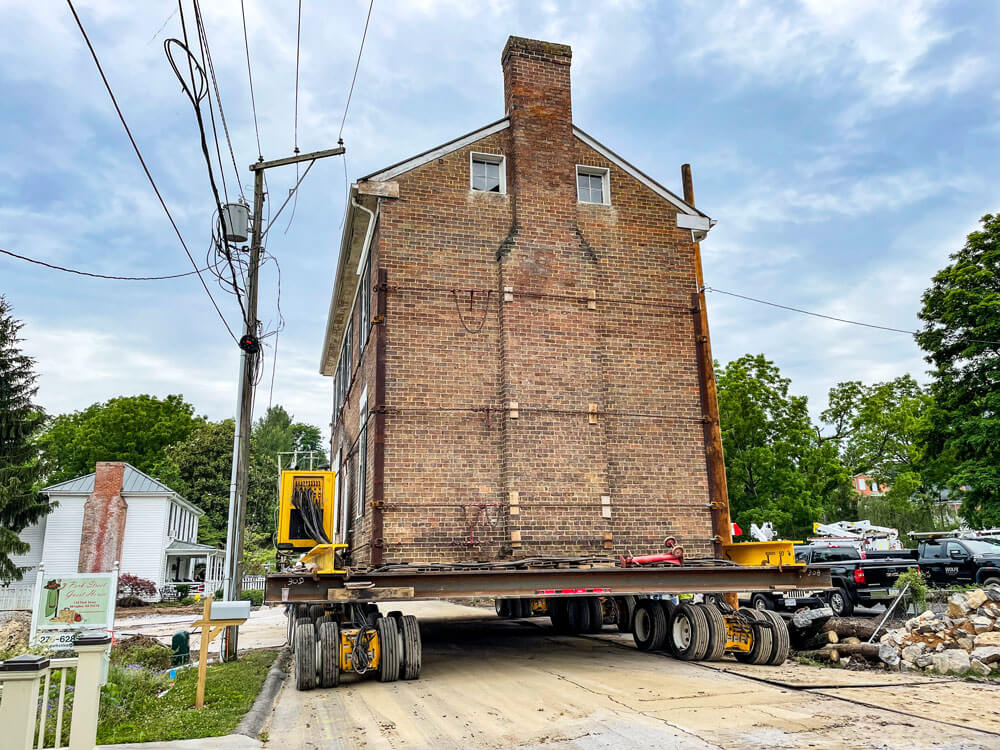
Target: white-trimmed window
[
  {"x": 488, "y": 172},
  {"x": 593, "y": 185}
]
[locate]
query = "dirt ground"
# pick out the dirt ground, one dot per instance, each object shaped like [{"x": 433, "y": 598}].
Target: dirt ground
[
  {"x": 266, "y": 627},
  {"x": 489, "y": 683}
]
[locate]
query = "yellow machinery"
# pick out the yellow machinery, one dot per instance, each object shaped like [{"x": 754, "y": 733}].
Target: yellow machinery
[{"x": 305, "y": 510}]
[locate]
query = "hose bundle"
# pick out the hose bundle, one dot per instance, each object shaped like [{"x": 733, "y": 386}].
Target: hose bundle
[{"x": 306, "y": 501}]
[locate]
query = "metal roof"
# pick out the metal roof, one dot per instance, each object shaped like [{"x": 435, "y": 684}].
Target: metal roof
[
  {"x": 177, "y": 546},
  {"x": 133, "y": 482}
]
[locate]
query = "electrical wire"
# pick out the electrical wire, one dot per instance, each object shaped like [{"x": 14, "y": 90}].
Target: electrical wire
[
  {"x": 290, "y": 194},
  {"x": 101, "y": 275},
  {"x": 298, "y": 46},
  {"x": 833, "y": 318},
  {"x": 145, "y": 168},
  {"x": 357, "y": 65},
  {"x": 253, "y": 103}
]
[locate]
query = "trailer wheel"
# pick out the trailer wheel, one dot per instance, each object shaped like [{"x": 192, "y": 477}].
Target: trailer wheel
[
  {"x": 689, "y": 631},
  {"x": 412, "y": 648},
  {"x": 761, "y": 601},
  {"x": 559, "y": 614},
  {"x": 624, "y": 611},
  {"x": 596, "y": 614},
  {"x": 578, "y": 615},
  {"x": 327, "y": 617},
  {"x": 716, "y": 632},
  {"x": 329, "y": 654},
  {"x": 502, "y": 607},
  {"x": 781, "y": 644},
  {"x": 305, "y": 656},
  {"x": 388, "y": 642},
  {"x": 668, "y": 606},
  {"x": 315, "y": 611},
  {"x": 649, "y": 627},
  {"x": 760, "y": 650}
]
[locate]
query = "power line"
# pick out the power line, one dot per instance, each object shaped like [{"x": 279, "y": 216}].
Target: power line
[
  {"x": 836, "y": 319},
  {"x": 298, "y": 46},
  {"x": 291, "y": 192},
  {"x": 253, "y": 103},
  {"x": 100, "y": 275},
  {"x": 145, "y": 168},
  {"x": 356, "y": 66}
]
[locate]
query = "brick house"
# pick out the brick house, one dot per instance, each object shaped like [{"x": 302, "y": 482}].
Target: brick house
[{"x": 512, "y": 345}]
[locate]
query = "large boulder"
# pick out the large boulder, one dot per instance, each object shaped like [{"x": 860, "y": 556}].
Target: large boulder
[
  {"x": 987, "y": 654},
  {"x": 958, "y": 605},
  {"x": 913, "y": 651},
  {"x": 979, "y": 668},
  {"x": 975, "y": 599},
  {"x": 992, "y": 638},
  {"x": 951, "y": 661}
]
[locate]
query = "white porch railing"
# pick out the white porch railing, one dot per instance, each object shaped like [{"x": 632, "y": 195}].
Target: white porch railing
[
  {"x": 253, "y": 583},
  {"x": 33, "y": 708},
  {"x": 16, "y": 597}
]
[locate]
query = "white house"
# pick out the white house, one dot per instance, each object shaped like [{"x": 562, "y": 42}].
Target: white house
[{"x": 153, "y": 531}]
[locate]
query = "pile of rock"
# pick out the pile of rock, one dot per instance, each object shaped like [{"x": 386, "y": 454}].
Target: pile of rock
[{"x": 965, "y": 637}]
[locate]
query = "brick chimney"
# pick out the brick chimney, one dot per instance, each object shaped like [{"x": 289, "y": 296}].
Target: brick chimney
[
  {"x": 103, "y": 520},
  {"x": 537, "y": 101}
]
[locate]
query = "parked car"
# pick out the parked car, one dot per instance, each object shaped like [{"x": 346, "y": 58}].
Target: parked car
[
  {"x": 857, "y": 581},
  {"x": 947, "y": 561}
]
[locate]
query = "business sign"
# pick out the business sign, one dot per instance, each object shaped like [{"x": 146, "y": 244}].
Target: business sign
[{"x": 67, "y": 606}]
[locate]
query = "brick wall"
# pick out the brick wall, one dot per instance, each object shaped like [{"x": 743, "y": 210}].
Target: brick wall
[
  {"x": 104, "y": 512},
  {"x": 598, "y": 318}
]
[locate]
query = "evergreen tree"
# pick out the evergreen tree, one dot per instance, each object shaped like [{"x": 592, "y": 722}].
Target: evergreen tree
[{"x": 20, "y": 468}]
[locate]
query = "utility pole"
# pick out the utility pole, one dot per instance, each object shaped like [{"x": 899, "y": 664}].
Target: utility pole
[{"x": 250, "y": 351}]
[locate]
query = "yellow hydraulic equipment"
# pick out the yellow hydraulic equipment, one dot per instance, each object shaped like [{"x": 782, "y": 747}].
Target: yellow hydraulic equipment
[
  {"x": 371, "y": 646},
  {"x": 305, "y": 511},
  {"x": 776, "y": 554},
  {"x": 739, "y": 635}
]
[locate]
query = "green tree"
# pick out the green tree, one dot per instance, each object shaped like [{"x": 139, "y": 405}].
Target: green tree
[
  {"x": 777, "y": 467},
  {"x": 199, "y": 468},
  {"x": 135, "y": 429},
  {"x": 20, "y": 467},
  {"x": 961, "y": 338}
]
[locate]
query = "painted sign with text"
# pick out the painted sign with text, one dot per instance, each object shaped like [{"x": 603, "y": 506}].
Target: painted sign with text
[{"x": 66, "y": 606}]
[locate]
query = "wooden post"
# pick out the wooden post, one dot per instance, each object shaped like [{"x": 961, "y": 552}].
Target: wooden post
[
  {"x": 199, "y": 699},
  {"x": 718, "y": 490}
]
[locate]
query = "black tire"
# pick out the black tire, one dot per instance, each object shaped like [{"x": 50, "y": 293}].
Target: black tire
[
  {"x": 578, "y": 615},
  {"x": 761, "y": 602},
  {"x": 716, "y": 632},
  {"x": 320, "y": 620},
  {"x": 502, "y": 606},
  {"x": 305, "y": 656},
  {"x": 596, "y": 614},
  {"x": 781, "y": 642},
  {"x": 396, "y": 614},
  {"x": 290, "y": 628},
  {"x": 329, "y": 654},
  {"x": 991, "y": 581},
  {"x": 668, "y": 606},
  {"x": 301, "y": 610},
  {"x": 315, "y": 611},
  {"x": 649, "y": 626},
  {"x": 412, "y": 648},
  {"x": 388, "y": 641},
  {"x": 689, "y": 632},
  {"x": 559, "y": 614},
  {"x": 760, "y": 650},
  {"x": 841, "y": 602},
  {"x": 624, "y": 611}
]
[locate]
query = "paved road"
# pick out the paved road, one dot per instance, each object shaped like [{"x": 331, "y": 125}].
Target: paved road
[{"x": 488, "y": 683}]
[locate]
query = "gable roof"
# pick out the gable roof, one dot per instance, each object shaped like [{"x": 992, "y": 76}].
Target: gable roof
[{"x": 134, "y": 482}]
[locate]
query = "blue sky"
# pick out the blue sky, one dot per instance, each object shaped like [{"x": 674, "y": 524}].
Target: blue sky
[{"x": 844, "y": 148}]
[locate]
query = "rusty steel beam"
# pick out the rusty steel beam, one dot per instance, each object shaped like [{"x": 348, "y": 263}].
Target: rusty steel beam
[
  {"x": 378, "y": 460},
  {"x": 433, "y": 584}
]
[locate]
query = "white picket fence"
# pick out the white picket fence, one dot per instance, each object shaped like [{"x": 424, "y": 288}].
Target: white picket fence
[
  {"x": 16, "y": 597},
  {"x": 253, "y": 583}
]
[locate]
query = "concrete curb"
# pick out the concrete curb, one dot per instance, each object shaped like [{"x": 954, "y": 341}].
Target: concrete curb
[{"x": 256, "y": 718}]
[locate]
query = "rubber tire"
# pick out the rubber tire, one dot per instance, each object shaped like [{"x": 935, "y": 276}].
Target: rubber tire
[
  {"x": 596, "y": 614},
  {"x": 761, "y": 602},
  {"x": 624, "y": 610},
  {"x": 697, "y": 623},
  {"x": 763, "y": 642},
  {"x": 991, "y": 581},
  {"x": 316, "y": 611},
  {"x": 388, "y": 641},
  {"x": 305, "y": 656},
  {"x": 559, "y": 614},
  {"x": 649, "y": 626},
  {"x": 668, "y": 606},
  {"x": 412, "y": 648},
  {"x": 716, "y": 632},
  {"x": 290, "y": 629},
  {"x": 502, "y": 606},
  {"x": 781, "y": 640},
  {"x": 329, "y": 650},
  {"x": 320, "y": 620},
  {"x": 848, "y": 606},
  {"x": 578, "y": 615}
]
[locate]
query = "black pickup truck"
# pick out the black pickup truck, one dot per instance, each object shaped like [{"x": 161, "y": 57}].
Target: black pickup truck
[
  {"x": 947, "y": 561},
  {"x": 856, "y": 580}
]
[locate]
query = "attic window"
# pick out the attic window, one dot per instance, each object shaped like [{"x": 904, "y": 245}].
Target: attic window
[
  {"x": 488, "y": 172},
  {"x": 592, "y": 185}
]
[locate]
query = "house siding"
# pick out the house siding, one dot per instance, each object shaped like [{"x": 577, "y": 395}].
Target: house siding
[
  {"x": 63, "y": 527},
  {"x": 144, "y": 523}
]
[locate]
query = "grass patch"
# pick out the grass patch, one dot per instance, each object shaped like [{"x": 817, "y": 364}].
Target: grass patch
[
  {"x": 813, "y": 663},
  {"x": 131, "y": 711}
]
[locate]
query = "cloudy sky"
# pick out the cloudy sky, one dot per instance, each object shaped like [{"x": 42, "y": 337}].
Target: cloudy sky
[{"x": 844, "y": 148}]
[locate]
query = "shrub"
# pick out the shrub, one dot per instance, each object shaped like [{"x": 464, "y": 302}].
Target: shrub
[
  {"x": 183, "y": 589},
  {"x": 254, "y": 596},
  {"x": 186, "y": 601},
  {"x": 917, "y": 592},
  {"x": 132, "y": 588}
]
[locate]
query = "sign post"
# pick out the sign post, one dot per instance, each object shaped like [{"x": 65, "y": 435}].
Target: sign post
[{"x": 210, "y": 628}]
